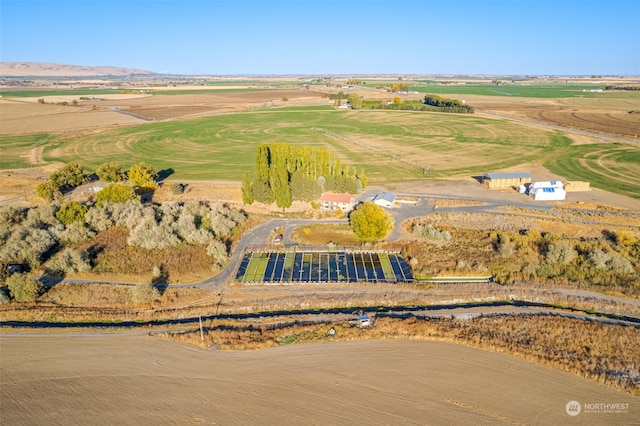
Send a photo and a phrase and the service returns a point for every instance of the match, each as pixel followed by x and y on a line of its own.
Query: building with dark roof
pixel 505 180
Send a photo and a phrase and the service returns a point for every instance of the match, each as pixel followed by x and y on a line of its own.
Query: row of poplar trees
pixel 285 173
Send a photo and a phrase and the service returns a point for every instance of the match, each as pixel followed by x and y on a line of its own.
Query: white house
pixel 548 194
pixel 331 201
pixel 547 184
pixel 385 199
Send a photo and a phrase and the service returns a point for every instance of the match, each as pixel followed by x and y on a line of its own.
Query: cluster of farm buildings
pixel 553 190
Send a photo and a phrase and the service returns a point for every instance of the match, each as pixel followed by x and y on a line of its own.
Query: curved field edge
pixel 392 146
pixel 611 167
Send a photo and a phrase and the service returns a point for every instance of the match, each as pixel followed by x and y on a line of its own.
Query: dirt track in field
pixel 130 379
pixel 582 114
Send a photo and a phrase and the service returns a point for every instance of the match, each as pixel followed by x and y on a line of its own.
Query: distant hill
pixel 42 69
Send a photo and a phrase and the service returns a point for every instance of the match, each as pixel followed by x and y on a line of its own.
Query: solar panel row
pixel 323 267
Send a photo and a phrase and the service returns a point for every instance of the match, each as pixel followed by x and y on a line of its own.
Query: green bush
pixel 111 172
pixel 370 222
pixel 24 288
pixel 48 190
pixel 71 212
pixel 115 193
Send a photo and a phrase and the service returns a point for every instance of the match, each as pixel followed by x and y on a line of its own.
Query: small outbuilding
pixel 548 194
pixel 506 180
pixel 385 199
pixel 547 184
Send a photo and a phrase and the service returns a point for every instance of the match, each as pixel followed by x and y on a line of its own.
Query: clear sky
pixel 221 37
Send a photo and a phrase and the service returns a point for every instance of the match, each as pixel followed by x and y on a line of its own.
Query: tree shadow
pixel 164 174
pixel 161 281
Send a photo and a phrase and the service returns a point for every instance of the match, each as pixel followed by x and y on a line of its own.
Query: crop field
pixel 213 136
pixel 323 267
pixel 16 149
pixel 513 90
pixel 223 147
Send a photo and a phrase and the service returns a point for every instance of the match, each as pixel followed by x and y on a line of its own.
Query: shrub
pixel 71 212
pixel 115 193
pixel 70 261
pixel 70 175
pixel 42 217
pixel 148 234
pixel 144 292
pixel 28 246
pixel 561 253
pixel 111 172
pixel 177 188
pixel 619 264
pixel 48 191
pixel 75 233
pixel 24 288
pixel 428 231
pixel 10 215
pixel 143 175
pixel 100 218
pixel 218 250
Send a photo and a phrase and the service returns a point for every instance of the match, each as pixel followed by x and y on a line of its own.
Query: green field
pixel 525 90
pixel 223 147
pixel 14 150
pixel 392 146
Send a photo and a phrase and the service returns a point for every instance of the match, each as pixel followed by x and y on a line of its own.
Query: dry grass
pixel 117 261
pixel 600 352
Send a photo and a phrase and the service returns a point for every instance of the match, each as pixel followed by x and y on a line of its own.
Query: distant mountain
pixel 42 69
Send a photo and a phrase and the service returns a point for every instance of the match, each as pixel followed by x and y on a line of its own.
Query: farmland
pixel 223 147
pixel 210 131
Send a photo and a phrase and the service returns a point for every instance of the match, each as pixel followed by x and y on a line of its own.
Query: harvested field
pixel 25 115
pixel 112 379
pixel 608 114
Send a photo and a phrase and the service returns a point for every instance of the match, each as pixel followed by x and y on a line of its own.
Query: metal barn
pixel 505 180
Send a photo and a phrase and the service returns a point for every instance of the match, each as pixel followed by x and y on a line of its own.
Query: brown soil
pixel 119 379
pixel 612 118
pixel 26 116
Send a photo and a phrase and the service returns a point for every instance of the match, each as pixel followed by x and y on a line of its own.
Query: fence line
pixel 425 169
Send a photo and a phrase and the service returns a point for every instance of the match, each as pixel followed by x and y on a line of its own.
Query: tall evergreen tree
pixel 280 185
pixel 247 190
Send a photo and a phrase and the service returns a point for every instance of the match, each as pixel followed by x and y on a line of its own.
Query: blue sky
pixel 328 37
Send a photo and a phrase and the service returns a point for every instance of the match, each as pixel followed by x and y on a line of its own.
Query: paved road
pixel 260 236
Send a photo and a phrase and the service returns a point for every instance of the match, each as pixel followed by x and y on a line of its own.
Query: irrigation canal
pixel 459 311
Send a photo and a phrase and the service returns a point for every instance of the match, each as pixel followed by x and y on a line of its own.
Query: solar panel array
pixel 281 267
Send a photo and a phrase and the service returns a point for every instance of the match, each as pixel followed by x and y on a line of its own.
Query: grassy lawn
pixel 323 234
